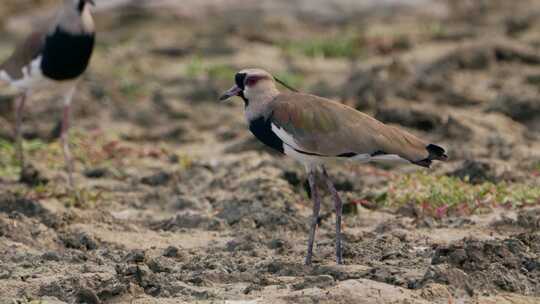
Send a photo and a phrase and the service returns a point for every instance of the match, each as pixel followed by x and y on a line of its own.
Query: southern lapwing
pixel 52 56
pixel 315 130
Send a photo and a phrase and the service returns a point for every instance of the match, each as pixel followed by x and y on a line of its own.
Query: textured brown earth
pixel 181 204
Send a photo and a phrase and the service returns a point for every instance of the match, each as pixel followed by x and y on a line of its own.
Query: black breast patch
pixel 262 129
pixel 66 55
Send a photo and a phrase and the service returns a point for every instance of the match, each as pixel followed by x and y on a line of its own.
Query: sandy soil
pixel 181 204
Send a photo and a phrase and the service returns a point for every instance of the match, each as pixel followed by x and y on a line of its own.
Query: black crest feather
pixel 285 85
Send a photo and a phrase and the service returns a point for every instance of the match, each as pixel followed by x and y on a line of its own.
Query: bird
pixel 314 131
pixel 52 56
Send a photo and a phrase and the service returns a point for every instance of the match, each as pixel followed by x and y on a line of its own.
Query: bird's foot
pixel 339 248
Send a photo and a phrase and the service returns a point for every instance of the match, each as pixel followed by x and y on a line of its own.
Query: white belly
pixel 33 79
pixel 310 161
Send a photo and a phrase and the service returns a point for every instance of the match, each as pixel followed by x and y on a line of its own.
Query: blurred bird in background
pixel 52 57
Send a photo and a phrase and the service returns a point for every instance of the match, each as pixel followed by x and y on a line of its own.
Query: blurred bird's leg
pixel 19 107
pixel 65 136
pixel 339 210
pixel 312 174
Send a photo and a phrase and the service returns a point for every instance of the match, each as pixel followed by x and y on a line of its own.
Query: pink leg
pixel 339 210
pixel 65 137
pixel 314 220
pixel 19 107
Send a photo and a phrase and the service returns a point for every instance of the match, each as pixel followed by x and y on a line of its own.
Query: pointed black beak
pixel 234 91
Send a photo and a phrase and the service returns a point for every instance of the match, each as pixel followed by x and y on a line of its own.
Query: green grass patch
pixel 436 30
pixel 220 72
pixel 293 80
pixel 129 88
pixel 440 196
pixel 127 81
pixel 9 165
pixel 88 151
pixel 338 46
pixel 197 68
pixel 536 167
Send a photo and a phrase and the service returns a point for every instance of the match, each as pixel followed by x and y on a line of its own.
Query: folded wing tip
pixel 436 152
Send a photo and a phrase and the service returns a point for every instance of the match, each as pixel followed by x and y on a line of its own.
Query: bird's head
pixel 79 5
pixel 251 84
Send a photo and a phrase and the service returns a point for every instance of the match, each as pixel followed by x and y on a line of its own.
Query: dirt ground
pixel 181 204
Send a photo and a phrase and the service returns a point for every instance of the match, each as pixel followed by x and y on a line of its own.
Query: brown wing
pixel 329 128
pixel 24 54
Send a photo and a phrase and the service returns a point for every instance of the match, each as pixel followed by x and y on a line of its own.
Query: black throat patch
pixel 81 5
pixel 262 129
pixel 65 55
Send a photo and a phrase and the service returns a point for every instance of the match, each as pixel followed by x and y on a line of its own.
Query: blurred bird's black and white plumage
pixel 54 56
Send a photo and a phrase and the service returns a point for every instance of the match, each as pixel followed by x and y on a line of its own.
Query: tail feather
pixel 435 153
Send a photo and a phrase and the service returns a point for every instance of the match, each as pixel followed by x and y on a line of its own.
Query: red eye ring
pixel 252 80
